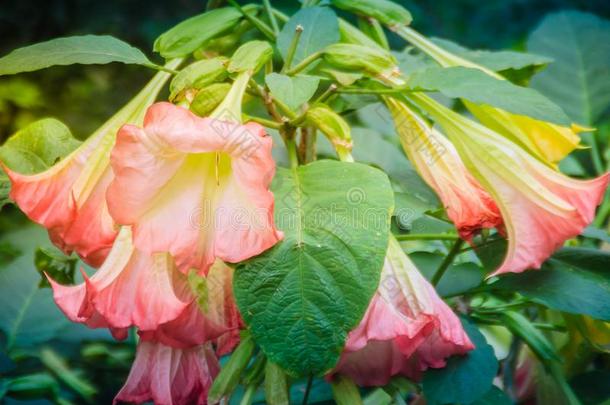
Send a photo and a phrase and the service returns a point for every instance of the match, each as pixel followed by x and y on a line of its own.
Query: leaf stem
pixel 292 48
pixel 268 9
pixel 327 93
pixel 263 121
pixel 261 26
pixel 357 90
pixel 307 390
pixel 162 68
pixel 455 250
pixel 304 63
pixel 427 236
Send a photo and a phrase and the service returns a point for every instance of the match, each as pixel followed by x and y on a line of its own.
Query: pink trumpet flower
pixel 468 205
pixel 406 329
pixel 170 376
pixel 197 188
pixel 137 289
pixel 69 198
pixel 541 208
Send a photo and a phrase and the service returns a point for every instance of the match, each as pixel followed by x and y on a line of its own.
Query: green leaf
pixel 38 146
pixel 34 386
pixel 292 91
pixel 522 327
pixel 71 378
pixel 85 49
pixel 480 88
pixel 579 79
pixel 53 263
pixel 190 34
pixel 458 279
pixel 29 315
pixel 320 29
pixel 386 11
pixel 496 60
pixel 302 297
pixel 465 378
pixel 574 280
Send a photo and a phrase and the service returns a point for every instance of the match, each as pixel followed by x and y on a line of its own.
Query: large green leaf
pixel 579 79
pixel 480 88
pixel 320 29
pixel 464 379
pixel 29 315
pixel 496 60
pixel 292 91
pixel 85 49
pixel 574 280
pixel 302 297
pixel 190 34
pixel 38 146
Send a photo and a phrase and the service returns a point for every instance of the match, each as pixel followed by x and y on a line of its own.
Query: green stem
pixel 261 26
pixel 602 212
pixel 356 90
pixel 162 68
pixel 293 157
pixel 292 48
pixel 304 63
pixel 307 390
pixel 455 250
pixel 272 20
pixel 327 93
pixel 427 236
pixel 263 121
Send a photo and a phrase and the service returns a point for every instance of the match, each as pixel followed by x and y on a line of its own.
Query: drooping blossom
pixel 133 288
pixel 468 206
pixel 170 376
pixel 197 188
pixel 69 198
pixel 541 208
pixel 406 329
pixel 548 142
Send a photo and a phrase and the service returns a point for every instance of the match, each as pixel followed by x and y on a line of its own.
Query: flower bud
pixel 197 76
pixel 387 12
pixel 276 385
pixel 333 126
pixel 208 98
pixel 250 57
pixel 375 61
pixel 228 378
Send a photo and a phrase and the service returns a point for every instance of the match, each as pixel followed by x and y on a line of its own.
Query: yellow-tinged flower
pixel 540 207
pixel 548 142
pixel 469 206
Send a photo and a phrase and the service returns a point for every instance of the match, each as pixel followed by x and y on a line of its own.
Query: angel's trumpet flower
pixel 145 290
pixel 406 329
pixel 547 141
pixel 468 206
pixel 69 198
pixel 540 207
pixel 167 375
pixel 197 188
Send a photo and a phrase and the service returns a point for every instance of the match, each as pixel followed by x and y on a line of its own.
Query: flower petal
pixel 195 187
pixel 130 289
pixel 407 328
pixel 75 216
pixel 170 376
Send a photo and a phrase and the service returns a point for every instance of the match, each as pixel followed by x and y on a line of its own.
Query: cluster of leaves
pixel 302 297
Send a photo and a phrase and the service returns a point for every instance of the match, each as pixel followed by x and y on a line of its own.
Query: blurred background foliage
pixel 65 363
